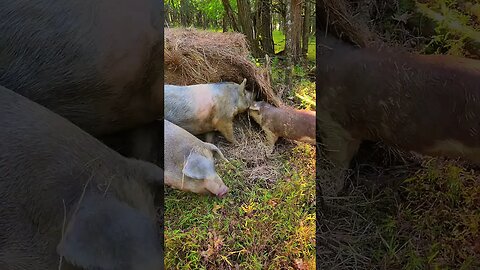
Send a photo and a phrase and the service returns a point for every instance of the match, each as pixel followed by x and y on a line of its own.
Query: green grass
pixel 261 223
pixel 428 220
pixel 437 225
pixel 254 227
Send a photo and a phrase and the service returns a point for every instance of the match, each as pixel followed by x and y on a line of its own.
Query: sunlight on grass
pixel 254 227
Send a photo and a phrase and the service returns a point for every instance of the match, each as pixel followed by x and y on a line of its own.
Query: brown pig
pixel 289 123
pixel 429 104
pixel 204 108
pixel 189 162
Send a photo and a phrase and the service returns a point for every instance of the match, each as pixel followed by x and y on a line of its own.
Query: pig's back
pixel 178 143
pixel 291 123
pixel 191 107
pixel 50 144
pixel 307 122
pixel 404 99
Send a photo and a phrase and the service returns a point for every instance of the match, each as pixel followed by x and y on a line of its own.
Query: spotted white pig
pixel 204 108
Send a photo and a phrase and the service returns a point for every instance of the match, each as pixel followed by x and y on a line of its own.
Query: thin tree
pixel 306 26
pixel 245 18
pixel 295 31
pixel 264 25
pixel 230 15
pixel 184 13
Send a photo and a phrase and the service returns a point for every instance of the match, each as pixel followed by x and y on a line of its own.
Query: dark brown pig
pixel 289 123
pixel 429 104
pixel 95 62
pixel 144 142
pixel 66 199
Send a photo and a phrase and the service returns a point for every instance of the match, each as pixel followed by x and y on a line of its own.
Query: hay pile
pixel 335 17
pixel 194 56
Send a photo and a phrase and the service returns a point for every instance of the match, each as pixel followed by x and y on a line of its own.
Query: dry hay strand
pixel 195 56
pixel 335 17
pixel 253 151
pixel 348 223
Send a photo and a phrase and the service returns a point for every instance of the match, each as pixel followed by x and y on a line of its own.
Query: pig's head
pixel 199 172
pixel 255 110
pixel 91 241
pixel 245 97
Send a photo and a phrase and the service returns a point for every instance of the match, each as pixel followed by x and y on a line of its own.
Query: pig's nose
pixel 222 191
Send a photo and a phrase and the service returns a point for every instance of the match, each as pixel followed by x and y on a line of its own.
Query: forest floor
pixel 267 220
pixel 404 211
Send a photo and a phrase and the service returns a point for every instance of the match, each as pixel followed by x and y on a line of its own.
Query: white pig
pixel 205 108
pixel 189 162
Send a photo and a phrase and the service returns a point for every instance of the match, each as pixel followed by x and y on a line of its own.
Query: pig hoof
pixel 232 141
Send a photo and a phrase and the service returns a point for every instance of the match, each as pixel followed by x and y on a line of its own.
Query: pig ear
pixel 105 233
pixel 243 84
pixel 198 167
pixel 216 152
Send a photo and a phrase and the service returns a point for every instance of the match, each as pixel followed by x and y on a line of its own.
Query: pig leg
pixel 209 137
pixel 226 128
pixel 271 139
pixel 340 148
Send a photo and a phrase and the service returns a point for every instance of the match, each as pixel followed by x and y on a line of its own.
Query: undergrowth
pixel 266 221
pixel 257 226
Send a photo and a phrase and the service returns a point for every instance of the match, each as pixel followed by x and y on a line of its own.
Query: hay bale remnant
pixel 335 17
pixel 195 56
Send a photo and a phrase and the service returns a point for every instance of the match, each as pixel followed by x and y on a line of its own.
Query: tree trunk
pixel 230 15
pixel 184 13
pixel 306 28
pixel 296 30
pixel 173 18
pixel 225 24
pixel 264 26
pixel 205 21
pixel 167 14
pixel 288 44
pixel 244 16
